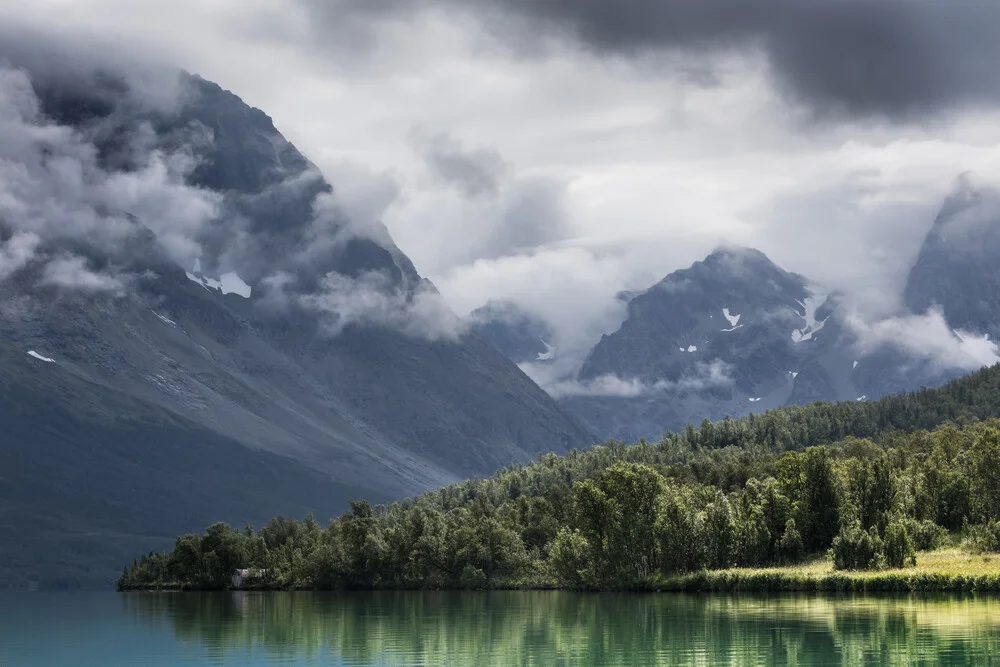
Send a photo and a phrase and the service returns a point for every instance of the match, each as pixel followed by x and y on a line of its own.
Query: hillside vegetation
pixel 871 482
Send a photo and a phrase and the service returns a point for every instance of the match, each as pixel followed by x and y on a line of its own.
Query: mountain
pixel 732 335
pixel 195 330
pixel 729 335
pixel 736 334
pixel 520 336
pixel 958 269
pixel 735 306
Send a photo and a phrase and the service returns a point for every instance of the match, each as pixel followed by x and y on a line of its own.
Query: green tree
pixel 676 531
pixel 617 513
pixel 716 530
pixel 984 475
pixel 871 490
pixel 819 510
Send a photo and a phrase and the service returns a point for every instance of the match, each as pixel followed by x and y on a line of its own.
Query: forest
pixel 869 485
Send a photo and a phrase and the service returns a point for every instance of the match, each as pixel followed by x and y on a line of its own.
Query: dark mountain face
pixel 519 336
pixel 303 360
pixel 721 308
pixel 958 269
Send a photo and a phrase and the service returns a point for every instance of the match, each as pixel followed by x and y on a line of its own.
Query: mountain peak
pixel 731 267
pixel 730 249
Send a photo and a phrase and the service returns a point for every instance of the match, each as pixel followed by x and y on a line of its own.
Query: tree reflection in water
pixel 561 628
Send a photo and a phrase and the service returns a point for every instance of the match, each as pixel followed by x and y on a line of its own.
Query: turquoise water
pixel 497 628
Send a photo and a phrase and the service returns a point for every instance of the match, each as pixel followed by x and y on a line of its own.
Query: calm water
pixel 480 629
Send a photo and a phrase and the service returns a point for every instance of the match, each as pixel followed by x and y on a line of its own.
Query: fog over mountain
pixel 612 142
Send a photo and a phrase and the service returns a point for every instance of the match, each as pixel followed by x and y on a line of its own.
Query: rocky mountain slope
pixel 198 331
pixel 958 269
pixel 521 337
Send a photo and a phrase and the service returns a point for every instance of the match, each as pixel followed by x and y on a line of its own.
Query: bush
pixel 790 547
pixel 898 546
pixel 926 534
pixel 568 557
pixel 474 578
pixel 984 538
pixel 857 549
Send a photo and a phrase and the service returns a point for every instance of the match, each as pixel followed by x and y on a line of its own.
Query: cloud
pixel 73 272
pixel 472 171
pixel 69 61
pixel 895 58
pixel 54 187
pixel 704 376
pixel 475 207
pixel 91 187
pixel 373 300
pixel 927 337
pixel 643 132
pixel 16 252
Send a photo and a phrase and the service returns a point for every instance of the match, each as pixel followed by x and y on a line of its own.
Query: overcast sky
pixel 555 152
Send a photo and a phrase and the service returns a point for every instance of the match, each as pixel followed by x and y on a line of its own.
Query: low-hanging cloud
pixel 64 204
pixel 16 252
pixel 927 337
pixel 372 299
pixel 710 375
pixel 73 272
pixel 53 188
pixel 71 61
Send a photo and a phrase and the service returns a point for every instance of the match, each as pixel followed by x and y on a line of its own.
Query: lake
pixel 491 628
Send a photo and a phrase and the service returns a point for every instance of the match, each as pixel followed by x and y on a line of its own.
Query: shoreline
pixel 941 571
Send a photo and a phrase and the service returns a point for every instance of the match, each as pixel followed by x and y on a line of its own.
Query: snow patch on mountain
pixel 228 283
pixel 812 327
pixel 231 283
pixel 32 353
pixel 165 320
pixel 733 319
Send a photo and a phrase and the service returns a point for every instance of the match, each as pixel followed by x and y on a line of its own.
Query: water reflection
pixel 558 628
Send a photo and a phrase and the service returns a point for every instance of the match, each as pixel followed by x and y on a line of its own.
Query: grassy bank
pixel 943 570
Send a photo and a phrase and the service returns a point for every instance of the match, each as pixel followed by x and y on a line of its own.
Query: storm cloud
pixel 896 58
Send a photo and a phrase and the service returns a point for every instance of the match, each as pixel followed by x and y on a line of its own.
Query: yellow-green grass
pixel 941 570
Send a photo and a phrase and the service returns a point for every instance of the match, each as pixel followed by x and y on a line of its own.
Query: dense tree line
pixel 620 515
pixel 751 492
